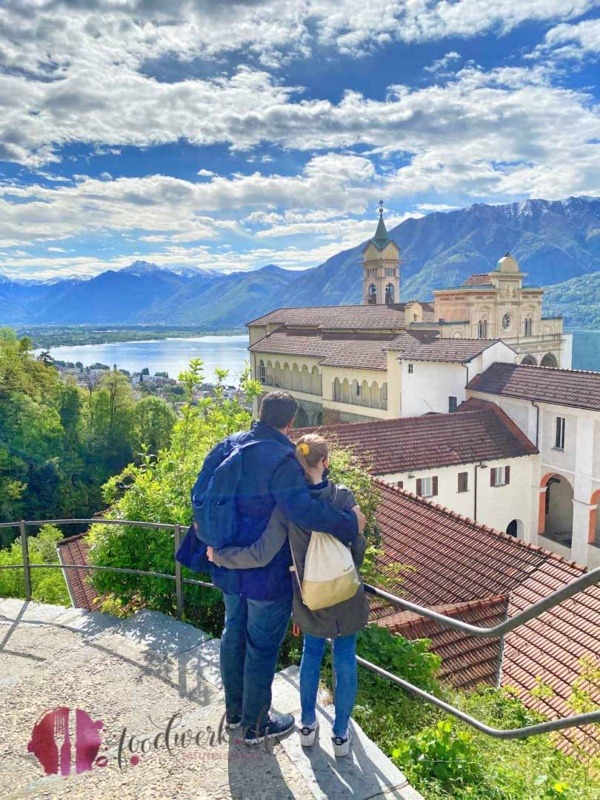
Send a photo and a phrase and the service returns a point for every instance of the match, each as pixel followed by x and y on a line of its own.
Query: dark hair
pixel 278 409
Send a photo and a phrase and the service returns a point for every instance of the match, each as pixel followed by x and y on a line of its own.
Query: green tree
pixel 153 425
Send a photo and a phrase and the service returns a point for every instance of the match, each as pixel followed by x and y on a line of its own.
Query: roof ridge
pixel 511 425
pixel 553 369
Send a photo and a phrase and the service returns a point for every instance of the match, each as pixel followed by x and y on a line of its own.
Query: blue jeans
pixel 254 631
pixel 346 681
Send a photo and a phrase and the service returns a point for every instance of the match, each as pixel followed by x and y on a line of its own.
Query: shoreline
pixel 45 339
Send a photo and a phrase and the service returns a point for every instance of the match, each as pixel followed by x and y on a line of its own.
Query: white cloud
pixel 440 67
pixel 572 41
pixel 85 71
pixel 80 73
pixel 162 205
pixel 498 134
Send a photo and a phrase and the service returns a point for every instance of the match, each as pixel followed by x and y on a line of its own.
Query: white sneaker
pixel 341 744
pixel 308 734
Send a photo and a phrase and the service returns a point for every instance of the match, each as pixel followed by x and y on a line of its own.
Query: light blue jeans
pixel 344 664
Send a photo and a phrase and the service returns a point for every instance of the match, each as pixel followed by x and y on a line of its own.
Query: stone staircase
pixel 136 674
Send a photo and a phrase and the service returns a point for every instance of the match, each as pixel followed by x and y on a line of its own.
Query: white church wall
pixel 497 506
pixel 429 386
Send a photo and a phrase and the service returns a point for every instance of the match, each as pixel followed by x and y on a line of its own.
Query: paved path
pixel 135 675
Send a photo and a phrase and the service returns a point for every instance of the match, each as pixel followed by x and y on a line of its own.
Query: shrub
pixel 47 586
pixel 442 754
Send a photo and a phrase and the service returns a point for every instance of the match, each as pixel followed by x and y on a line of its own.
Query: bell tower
pixel 381 267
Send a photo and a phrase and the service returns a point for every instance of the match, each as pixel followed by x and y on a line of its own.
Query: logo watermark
pixel 68 741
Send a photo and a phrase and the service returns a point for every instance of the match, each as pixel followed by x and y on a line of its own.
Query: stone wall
pixel 332 416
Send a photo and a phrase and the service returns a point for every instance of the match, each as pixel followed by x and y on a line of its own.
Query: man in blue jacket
pixel 258 601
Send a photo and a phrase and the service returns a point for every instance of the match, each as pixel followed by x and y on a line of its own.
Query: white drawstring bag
pixel 330 576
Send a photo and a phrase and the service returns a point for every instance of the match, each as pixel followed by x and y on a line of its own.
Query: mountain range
pixel 556 242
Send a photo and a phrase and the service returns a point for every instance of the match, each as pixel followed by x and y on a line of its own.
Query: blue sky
pixel 232 135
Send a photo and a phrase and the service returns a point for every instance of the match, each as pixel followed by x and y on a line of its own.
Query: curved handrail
pixel 585 581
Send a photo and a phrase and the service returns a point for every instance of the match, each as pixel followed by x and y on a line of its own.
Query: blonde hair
pixel 310 449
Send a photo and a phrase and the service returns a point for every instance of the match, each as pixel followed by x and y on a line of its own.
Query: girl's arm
pixel 258 554
pixel 344 499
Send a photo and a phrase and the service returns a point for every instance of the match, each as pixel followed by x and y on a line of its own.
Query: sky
pixel 233 134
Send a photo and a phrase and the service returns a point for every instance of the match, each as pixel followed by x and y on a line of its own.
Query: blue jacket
pixel 271 476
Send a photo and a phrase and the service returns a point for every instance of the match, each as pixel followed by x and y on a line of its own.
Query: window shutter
pixel 557 437
pixel 434 482
pixel 492 477
pixel 400 484
pixel 419 486
pixel 506 475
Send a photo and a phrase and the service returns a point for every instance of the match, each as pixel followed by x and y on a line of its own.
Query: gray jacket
pixel 342 619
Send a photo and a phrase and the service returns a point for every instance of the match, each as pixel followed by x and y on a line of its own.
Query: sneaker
pixel 308 733
pixel 233 722
pixel 277 725
pixel 341 744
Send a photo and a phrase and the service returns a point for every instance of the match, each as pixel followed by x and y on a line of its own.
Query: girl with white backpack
pixel 329 597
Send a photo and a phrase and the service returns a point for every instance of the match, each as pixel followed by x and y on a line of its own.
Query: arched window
pixel 482 329
pixel 372 295
pixel 262 372
pixel 296 378
pixel 315 381
pixel 389 293
pixel 549 360
pixel 346 396
pixel 529 360
pixel 375 395
pixel 365 394
pixel 337 390
pixel 528 326
pixel 384 395
pixel 305 379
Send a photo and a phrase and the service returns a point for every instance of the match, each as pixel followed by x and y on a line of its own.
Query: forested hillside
pixel 60 442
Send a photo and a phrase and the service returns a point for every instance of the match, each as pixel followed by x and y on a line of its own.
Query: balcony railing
pixel 588 579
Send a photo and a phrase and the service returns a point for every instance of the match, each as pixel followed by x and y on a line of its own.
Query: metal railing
pixel 588 579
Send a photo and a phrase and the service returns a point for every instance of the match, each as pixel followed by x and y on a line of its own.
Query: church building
pixel 386 359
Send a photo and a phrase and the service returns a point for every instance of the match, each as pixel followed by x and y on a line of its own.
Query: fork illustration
pixel 59 733
pixel 62 741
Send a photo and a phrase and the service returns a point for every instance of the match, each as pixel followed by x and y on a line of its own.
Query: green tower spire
pixel 381 238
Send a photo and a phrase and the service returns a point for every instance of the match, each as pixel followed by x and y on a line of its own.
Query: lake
pixel 167 355
pixel 586 350
pixel 230 352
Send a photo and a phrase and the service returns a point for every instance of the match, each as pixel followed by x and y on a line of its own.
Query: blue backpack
pixel 214 504
pixel 214 496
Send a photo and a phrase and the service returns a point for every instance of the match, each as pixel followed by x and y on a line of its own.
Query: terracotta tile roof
pixel 74 550
pixel 479 279
pixel 565 387
pixel 457 560
pixel 362 353
pixel 466 660
pixel 396 445
pixel 337 317
pixel 358 353
pixel 281 344
pixel 433 348
pixel 549 648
